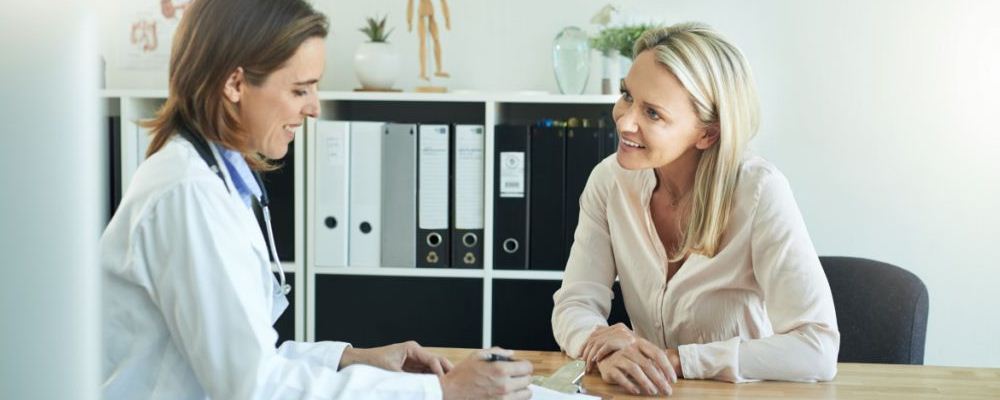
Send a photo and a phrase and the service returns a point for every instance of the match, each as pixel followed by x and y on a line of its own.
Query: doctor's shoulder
pixel 174 167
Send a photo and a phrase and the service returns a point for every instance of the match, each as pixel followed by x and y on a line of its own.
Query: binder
pixel 510 197
pixel 583 153
pixel 115 165
pixel 142 144
pixel 468 192
pixel 610 142
pixel 546 218
pixel 399 195
pixel 280 183
pixel 433 234
pixel 332 172
pixel 134 153
pixel 365 209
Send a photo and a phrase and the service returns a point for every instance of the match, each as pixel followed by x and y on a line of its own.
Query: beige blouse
pixel 760 309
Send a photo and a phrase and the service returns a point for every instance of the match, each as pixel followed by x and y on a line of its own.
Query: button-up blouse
pixel 761 308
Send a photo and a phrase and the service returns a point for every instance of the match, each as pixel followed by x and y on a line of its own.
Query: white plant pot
pixel 376 65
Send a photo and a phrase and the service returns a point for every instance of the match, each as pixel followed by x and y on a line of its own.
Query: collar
pixel 240 173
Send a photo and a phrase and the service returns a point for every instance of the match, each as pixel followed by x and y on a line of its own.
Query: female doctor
pixel 188 294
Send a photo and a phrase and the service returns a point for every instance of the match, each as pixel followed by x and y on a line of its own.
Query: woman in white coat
pixel 717 271
pixel 188 294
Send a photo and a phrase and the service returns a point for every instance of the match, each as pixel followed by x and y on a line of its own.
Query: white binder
pixel 467 228
pixel 365 238
pixel 133 156
pixel 142 140
pixel 331 176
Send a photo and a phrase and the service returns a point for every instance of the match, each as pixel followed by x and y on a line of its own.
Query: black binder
pixel 583 153
pixel 510 197
pixel 467 187
pixel 115 164
pixel 546 209
pixel 609 145
pixel 280 183
pixel 433 196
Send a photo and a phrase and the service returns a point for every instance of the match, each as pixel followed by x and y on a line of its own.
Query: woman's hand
pixel 406 357
pixel 606 340
pixel 476 378
pixel 641 368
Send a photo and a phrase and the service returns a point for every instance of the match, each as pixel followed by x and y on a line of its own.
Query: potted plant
pixel 376 62
pixel 615 45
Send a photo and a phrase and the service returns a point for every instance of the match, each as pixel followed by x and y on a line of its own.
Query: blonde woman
pixel 718 274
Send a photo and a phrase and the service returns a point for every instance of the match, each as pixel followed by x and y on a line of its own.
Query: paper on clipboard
pixel 540 393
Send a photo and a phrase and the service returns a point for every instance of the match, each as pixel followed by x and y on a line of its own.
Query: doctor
pixel 188 294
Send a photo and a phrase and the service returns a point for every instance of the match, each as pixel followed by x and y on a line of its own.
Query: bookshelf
pixel 476 286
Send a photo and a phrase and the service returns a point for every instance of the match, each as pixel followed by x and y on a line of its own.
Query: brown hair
pixel 214 38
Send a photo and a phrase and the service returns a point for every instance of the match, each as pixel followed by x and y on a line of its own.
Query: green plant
pixel 375 30
pixel 620 38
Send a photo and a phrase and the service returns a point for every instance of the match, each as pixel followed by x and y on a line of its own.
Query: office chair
pixel 881 311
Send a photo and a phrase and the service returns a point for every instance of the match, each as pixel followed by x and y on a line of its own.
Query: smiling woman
pixel 274 110
pixel 268 58
pixel 718 273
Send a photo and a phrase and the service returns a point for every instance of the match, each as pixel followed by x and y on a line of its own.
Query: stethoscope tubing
pixel 201 145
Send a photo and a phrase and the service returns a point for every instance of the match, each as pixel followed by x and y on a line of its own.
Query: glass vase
pixel 571 60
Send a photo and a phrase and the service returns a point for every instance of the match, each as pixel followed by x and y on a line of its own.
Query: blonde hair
pixel 718 80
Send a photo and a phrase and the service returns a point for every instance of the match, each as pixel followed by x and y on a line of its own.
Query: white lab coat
pixel 189 303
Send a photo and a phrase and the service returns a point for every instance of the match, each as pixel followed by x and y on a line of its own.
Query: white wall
pixel 879 112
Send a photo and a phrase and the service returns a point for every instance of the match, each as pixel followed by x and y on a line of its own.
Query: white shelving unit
pixel 488 109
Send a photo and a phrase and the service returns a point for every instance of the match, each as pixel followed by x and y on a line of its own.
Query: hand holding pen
pixel 488 373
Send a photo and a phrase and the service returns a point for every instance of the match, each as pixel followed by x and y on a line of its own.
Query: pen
pixel 497 357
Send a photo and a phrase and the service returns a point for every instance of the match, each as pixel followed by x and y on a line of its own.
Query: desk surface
pixel 854 381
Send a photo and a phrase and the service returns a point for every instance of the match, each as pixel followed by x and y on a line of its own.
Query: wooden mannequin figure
pixel 425 23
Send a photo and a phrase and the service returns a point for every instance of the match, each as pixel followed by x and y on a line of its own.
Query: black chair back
pixel 881 311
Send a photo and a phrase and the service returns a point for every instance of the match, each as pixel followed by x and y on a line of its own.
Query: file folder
pixel 468 195
pixel 142 144
pixel 332 174
pixel 399 195
pixel 115 165
pixel 610 142
pixel 583 153
pixel 510 197
pixel 280 183
pixel 546 218
pixel 134 153
pixel 365 210
pixel 433 235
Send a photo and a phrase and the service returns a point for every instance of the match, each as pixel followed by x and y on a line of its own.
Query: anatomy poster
pixel 148 31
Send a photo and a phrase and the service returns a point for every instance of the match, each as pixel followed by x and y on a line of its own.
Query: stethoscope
pixel 201 145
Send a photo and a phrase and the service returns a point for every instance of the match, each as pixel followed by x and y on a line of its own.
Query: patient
pixel 718 273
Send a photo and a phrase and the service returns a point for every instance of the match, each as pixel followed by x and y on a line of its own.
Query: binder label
pixel 433 180
pixel 469 177
pixel 512 174
pixel 335 154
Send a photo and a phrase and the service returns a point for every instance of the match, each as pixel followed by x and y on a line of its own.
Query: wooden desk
pixel 854 381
